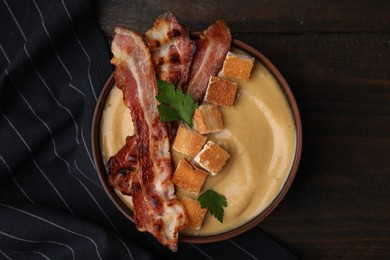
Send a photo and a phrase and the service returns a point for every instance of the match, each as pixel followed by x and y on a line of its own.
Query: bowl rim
pixel 127 212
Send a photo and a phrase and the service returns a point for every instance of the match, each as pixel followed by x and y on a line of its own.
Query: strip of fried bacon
pixel 172 49
pixel 123 165
pixel 156 208
pixel 212 47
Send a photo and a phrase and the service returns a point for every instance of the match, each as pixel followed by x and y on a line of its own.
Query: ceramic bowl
pixel 102 172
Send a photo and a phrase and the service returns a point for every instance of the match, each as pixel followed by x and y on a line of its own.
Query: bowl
pixel 284 183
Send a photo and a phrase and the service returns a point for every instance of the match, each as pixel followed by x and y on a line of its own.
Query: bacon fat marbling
pixel 211 49
pixel 156 208
pixel 172 49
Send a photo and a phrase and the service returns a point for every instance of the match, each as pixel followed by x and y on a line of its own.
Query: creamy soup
pixel 259 134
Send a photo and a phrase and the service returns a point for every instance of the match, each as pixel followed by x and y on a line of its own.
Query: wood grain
pixel 336 57
pixel 266 16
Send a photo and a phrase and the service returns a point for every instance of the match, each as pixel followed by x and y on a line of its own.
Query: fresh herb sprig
pixel 215 202
pixel 175 105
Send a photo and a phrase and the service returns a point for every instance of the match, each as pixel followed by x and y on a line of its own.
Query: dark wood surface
pixel 336 57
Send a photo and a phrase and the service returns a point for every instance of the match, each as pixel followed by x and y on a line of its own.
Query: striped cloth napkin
pixel 53 65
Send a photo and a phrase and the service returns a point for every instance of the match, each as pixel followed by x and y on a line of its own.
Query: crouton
pixel 208 119
pixel 194 212
pixel 221 91
pixel 212 158
pixel 237 66
pixel 189 177
pixel 188 141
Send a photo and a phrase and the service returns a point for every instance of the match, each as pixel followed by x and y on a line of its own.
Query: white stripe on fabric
pixel 54 144
pixel 86 148
pixel 68 166
pixel 41 120
pixel 203 252
pixel 36 164
pixel 242 249
pixel 52 94
pixel 52 43
pixel 124 244
pixel 39 241
pixel 82 47
pixel 103 212
pixel 98 63
pixel 16 21
pixel 47 127
pixel 5 54
pixel 39 253
pixel 14 180
pixel 39 75
pixel 85 176
pixel 55 225
pixel 78 90
pixel 1 252
pixel 97 204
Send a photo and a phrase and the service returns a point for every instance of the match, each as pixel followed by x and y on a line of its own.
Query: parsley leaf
pixel 175 105
pixel 215 202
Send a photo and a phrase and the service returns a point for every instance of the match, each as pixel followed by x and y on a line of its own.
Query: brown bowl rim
pixel 102 173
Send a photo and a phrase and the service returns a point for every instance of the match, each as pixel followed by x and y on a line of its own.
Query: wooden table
pixel 336 57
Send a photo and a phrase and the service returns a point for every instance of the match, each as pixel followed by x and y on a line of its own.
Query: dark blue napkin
pixel 53 65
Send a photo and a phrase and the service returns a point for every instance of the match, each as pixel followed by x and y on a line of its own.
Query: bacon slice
pixel 156 208
pixel 172 49
pixel 123 165
pixel 212 47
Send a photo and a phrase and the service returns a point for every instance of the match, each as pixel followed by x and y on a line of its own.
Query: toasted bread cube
pixel 212 158
pixel 208 119
pixel 194 211
pixel 189 177
pixel 188 141
pixel 237 66
pixel 221 91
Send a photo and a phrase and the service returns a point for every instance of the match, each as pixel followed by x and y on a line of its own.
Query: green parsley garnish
pixel 175 105
pixel 215 202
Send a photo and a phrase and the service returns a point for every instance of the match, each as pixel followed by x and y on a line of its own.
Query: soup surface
pixel 259 134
